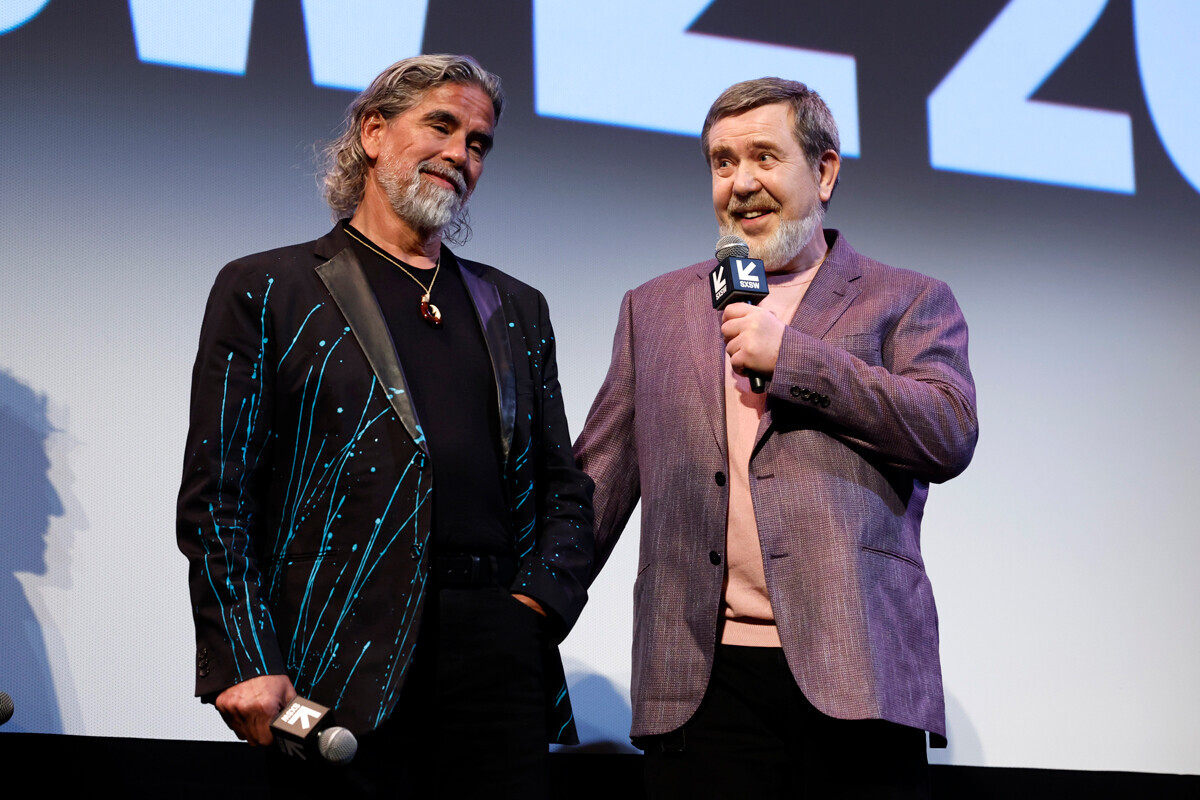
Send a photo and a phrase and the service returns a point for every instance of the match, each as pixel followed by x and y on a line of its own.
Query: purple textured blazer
pixel 871 401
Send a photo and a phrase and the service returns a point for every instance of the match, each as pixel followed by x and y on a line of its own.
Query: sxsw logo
pixel 748 273
pixel 720 285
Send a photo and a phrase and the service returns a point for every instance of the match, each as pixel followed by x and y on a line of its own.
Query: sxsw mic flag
pixel 305 730
pixel 738 279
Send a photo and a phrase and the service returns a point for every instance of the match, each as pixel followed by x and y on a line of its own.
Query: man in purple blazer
pixel 785 635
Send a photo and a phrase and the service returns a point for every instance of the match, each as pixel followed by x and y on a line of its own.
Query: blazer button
pixel 719 478
pixel 415 552
pixel 824 401
pixel 805 394
pixel 420 461
pixel 714 557
pixel 795 391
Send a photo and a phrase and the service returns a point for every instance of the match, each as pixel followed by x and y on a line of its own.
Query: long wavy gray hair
pixel 395 90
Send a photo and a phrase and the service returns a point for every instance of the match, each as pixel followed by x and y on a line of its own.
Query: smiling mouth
pixel 747 209
pixel 451 178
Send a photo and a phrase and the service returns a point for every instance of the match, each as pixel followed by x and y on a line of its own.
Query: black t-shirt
pixel 453 390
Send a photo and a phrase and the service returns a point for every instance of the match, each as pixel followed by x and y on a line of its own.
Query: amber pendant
pixel 429 312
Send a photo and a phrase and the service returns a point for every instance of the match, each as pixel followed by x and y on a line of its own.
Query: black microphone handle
pixel 729 248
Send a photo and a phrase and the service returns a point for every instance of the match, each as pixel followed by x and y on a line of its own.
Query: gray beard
pixel 792 236
pixel 424 206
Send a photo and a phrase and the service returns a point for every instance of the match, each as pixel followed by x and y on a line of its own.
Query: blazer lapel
pixel 832 291
pixel 347 284
pixel 708 352
pixel 486 298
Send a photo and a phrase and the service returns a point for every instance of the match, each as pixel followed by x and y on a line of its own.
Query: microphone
pixel 305 729
pixel 6 707
pixel 738 279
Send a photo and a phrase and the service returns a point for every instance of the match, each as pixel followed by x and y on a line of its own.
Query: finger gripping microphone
pixel 738 279
pixel 305 730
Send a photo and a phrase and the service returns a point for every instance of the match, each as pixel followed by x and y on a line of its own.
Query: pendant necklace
pixel 429 312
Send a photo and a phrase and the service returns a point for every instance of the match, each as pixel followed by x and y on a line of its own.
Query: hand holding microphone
pixel 266 709
pixel 740 279
pixel 305 730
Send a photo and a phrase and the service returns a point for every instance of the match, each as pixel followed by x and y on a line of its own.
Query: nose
pixel 455 151
pixel 745 180
pixel 53 505
pixel 55 508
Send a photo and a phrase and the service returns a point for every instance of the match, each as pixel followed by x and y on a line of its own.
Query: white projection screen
pixel 1041 157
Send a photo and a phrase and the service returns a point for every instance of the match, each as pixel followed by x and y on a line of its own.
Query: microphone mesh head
pixel 337 745
pixel 731 246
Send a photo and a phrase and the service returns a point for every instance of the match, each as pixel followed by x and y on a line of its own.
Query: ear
pixel 827 174
pixel 371 134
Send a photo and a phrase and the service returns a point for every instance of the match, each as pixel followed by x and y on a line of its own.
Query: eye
pixel 766 157
pixel 477 149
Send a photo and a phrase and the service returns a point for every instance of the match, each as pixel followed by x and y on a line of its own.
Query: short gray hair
pixel 395 90
pixel 812 122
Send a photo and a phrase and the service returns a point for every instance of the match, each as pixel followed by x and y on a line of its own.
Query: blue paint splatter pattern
pixel 305 503
pixel 303 515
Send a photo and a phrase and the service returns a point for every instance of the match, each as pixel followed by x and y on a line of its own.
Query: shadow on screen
pixel 602 715
pixel 964 747
pixel 29 640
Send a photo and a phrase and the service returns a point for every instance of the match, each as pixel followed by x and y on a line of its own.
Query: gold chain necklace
pixel 429 312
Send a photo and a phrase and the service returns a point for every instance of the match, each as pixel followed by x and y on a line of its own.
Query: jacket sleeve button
pixel 714 557
pixel 719 478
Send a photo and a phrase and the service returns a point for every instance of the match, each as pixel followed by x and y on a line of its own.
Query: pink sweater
pixel 746 607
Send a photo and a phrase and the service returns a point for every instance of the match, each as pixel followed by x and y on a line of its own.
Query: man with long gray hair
pixel 379 503
pixel 785 637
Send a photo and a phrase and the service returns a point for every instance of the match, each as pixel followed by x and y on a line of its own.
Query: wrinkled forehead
pixel 767 123
pixel 448 91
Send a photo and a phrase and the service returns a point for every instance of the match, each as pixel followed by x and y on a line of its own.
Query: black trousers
pixel 471 720
pixel 755 735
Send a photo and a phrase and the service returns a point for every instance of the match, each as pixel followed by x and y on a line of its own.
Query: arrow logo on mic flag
pixel 746 272
pixel 304 714
pixel 718 279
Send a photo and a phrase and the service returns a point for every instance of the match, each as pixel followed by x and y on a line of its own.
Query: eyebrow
pixel 441 115
pixel 451 119
pixel 716 152
pixel 754 144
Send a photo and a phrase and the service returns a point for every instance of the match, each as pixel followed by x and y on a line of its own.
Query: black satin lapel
pixel 486 298
pixel 348 285
pixel 708 353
